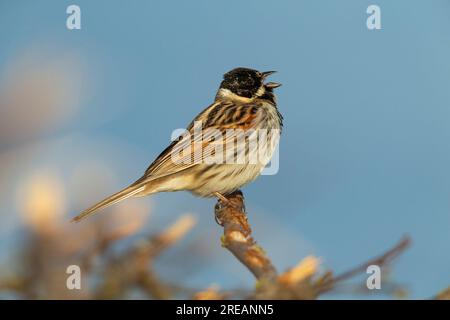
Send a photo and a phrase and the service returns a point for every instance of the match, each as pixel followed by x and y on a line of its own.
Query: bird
pixel 245 105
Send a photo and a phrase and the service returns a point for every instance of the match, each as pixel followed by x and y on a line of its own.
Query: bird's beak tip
pixel 267 73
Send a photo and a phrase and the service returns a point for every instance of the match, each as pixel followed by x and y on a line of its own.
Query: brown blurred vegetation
pixel 52 245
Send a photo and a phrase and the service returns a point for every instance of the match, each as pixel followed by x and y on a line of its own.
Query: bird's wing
pixel 221 115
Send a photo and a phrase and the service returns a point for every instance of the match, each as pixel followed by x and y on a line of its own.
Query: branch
pixel 237 237
pixel 300 282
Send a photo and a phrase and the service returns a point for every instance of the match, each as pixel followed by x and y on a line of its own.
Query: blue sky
pixel 364 155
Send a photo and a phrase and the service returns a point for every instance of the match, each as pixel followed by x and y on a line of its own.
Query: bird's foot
pixel 223 199
pixel 225 202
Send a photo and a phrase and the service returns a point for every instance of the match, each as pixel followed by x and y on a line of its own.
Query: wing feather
pixel 221 115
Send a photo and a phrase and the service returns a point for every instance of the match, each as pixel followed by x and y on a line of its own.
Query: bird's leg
pixel 224 200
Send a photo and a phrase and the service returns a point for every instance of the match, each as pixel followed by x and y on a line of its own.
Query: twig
pixel 237 237
pixel 172 234
pixel 384 259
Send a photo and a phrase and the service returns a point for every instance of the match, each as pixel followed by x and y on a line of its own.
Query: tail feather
pixel 117 197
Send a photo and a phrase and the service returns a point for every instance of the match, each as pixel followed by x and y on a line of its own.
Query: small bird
pixel 244 105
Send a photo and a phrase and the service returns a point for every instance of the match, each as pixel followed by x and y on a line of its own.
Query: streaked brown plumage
pixel 245 106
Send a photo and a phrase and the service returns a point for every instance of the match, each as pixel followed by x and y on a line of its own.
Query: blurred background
pixel 364 157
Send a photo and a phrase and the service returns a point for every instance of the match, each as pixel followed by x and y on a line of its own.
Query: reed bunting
pixel 216 156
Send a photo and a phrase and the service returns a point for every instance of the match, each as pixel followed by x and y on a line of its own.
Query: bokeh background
pixel 364 157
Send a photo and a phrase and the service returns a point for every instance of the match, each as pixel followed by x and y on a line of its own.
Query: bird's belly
pixel 224 178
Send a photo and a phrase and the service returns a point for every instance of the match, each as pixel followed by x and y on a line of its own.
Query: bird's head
pixel 247 84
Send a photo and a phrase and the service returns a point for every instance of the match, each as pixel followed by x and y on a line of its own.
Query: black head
pixel 246 82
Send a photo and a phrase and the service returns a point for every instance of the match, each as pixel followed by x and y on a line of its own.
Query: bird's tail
pixel 128 192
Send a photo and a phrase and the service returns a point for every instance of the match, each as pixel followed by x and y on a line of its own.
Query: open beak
pixel 271 85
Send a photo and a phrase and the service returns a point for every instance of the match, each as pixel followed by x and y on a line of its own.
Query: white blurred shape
pixel 41 199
